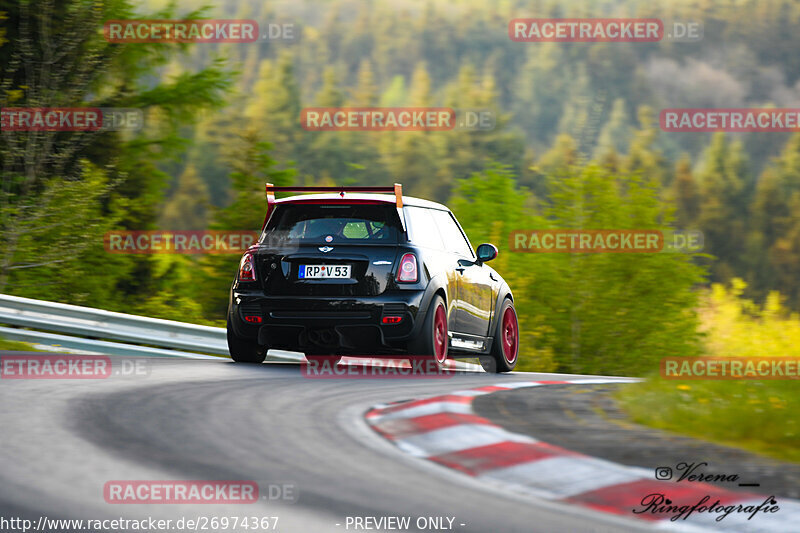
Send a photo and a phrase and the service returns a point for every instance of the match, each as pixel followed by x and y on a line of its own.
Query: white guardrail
pixel 81 328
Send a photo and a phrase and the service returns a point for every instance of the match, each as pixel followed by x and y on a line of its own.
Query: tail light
pixel 408 269
pixel 247 268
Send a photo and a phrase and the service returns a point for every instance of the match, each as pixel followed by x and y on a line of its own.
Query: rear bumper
pixel 327 325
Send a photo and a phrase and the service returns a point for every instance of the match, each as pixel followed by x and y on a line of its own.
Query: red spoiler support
pixel 271 189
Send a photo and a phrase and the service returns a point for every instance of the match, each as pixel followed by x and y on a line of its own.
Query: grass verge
pixel 759 416
pixel 762 416
pixel 15 346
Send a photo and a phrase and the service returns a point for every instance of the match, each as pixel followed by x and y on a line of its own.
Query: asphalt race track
pixel 62 440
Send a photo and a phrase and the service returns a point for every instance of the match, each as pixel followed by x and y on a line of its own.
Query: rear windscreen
pixel 334 223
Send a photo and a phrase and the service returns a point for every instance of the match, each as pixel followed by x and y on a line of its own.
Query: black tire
pixel 244 351
pixel 504 354
pixel 433 340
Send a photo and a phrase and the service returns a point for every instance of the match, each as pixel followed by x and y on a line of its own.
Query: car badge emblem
pixel 329 238
pixel 325 249
pixel 381 262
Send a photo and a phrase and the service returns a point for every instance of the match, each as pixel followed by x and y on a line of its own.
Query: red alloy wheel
pixel 510 335
pixel 440 334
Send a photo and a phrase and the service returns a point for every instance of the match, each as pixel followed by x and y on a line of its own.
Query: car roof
pixel 349 197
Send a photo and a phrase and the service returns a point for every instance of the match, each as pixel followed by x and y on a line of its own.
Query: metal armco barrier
pixel 96 323
pixel 81 328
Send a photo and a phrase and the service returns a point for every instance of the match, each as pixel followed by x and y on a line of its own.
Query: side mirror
pixel 486 252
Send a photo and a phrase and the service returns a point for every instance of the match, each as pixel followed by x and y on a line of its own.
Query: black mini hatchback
pixel 348 273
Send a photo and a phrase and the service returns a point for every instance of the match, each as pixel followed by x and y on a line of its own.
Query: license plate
pixel 323 271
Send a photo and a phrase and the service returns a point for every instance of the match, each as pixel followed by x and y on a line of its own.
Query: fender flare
pixel 435 285
pixel 502 294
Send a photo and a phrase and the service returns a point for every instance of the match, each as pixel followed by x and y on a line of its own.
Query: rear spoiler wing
pixel 271 189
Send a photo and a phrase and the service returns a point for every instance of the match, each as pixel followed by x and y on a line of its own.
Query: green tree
pixel 604 306
pixel 722 176
pixel 365 92
pixel 187 208
pixel 616 134
pixel 71 67
pixel 685 192
pixel 587 313
pixel 254 168
pixel 489 206
pixel 329 153
pixel 276 110
pixel 773 242
pixel 644 155
pixel 419 92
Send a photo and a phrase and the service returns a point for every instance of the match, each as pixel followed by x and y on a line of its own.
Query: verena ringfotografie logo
pixel 179 242
pixel 661 505
pixel 196 31
pixel 70 119
pixel 680 504
pixel 730 368
pixel 601 30
pixel 731 120
pixel 395 119
pixel 407 367
pixel 605 241
pixel 692 472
